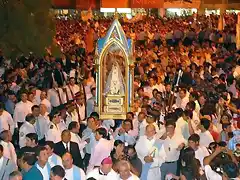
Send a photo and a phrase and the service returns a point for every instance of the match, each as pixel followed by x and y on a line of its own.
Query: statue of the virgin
pixel 115 83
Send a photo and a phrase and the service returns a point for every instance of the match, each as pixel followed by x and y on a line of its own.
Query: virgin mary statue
pixel 115 82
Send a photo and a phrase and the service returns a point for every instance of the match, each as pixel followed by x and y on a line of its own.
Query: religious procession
pixel 147 98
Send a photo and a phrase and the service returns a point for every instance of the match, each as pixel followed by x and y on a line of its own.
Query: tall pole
pixel 238 32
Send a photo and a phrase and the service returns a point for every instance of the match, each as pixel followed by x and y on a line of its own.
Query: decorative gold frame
pixel 127 48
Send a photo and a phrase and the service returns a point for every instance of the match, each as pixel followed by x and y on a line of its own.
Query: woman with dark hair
pixel 190 166
pixel 117 153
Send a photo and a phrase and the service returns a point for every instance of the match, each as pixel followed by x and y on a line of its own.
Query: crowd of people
pixel 185 122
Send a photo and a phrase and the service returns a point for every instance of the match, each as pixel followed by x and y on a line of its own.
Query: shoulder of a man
pixel 33 172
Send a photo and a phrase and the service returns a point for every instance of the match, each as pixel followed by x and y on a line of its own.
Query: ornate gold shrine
pixel 114 74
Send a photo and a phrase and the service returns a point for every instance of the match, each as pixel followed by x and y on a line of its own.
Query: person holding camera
pixel 220 165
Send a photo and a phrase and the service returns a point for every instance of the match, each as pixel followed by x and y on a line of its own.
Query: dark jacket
pixel 60 150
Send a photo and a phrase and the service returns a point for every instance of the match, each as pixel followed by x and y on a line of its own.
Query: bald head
pixel 150 131
pixel 67 160
pixel 124 169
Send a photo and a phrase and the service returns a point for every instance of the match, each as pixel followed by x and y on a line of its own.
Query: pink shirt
pixel 102 150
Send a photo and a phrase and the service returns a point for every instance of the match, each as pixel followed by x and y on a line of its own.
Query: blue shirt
pixel 9 105
pixel 33 173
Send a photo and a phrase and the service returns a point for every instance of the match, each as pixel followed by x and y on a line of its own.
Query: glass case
pixel 114 64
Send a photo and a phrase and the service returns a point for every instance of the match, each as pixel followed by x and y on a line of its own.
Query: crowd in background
pixel 48 127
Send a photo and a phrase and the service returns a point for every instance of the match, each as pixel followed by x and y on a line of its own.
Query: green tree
pixel 26 26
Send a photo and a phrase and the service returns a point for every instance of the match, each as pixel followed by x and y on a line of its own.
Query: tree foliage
pixel 26 26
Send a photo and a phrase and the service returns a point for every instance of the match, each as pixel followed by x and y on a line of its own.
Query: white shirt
pixel 44 172
pixel 142 128
pixel 108 123
pixel 158 155
pixel 129 137
pixel 102 150
pixel 53 133
pixel 9 151
pixel 21 111
pixel 47 103
pixel 132 177
pixel 160 87
pixel 201 153
pixel 210 174
pixel 171 145
pixel 195 121
pixel 54 98
pixel 182 128
pixel 54 160
pixel 81 144
pixel 25 129
pixel 6 122
pixel 181 103
pixel 112 175
pixel 197 108
pixel 1 162
pixel 70 176
pixel 87 133
pixel 72 90
pixel 42 125
pixel 82 111
pixel 205 138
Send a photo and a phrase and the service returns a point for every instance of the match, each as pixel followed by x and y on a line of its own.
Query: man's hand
pixel 148 159
pixel 88 140
pixel 121 131
pixel 180 146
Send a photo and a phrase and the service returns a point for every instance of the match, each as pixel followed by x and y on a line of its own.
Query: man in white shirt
pixel 45 101
pixel 6 165
pixel 102 149
pixel 200 151
pixel 54 131
pixel 56 96
pixel 126 133
pixel 6 120
pixel 42 162
pixel 91 102
pixel 22 109
pixel 182 99
pixel 104 172
pixel 173 143
pixel 152 155
pixel 80 107
pixel 53 159
pixel 74 129
pixel 72 172
pixel 88 133
pixel 8 148
pixel 149 89
pixel 125 171
pixel 71 89
pixel 142 124
pixel 205 136
pixel 42 122
pixel 27 127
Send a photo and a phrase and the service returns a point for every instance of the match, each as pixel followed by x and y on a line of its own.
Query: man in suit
pixel 65 145
pixel 6 166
